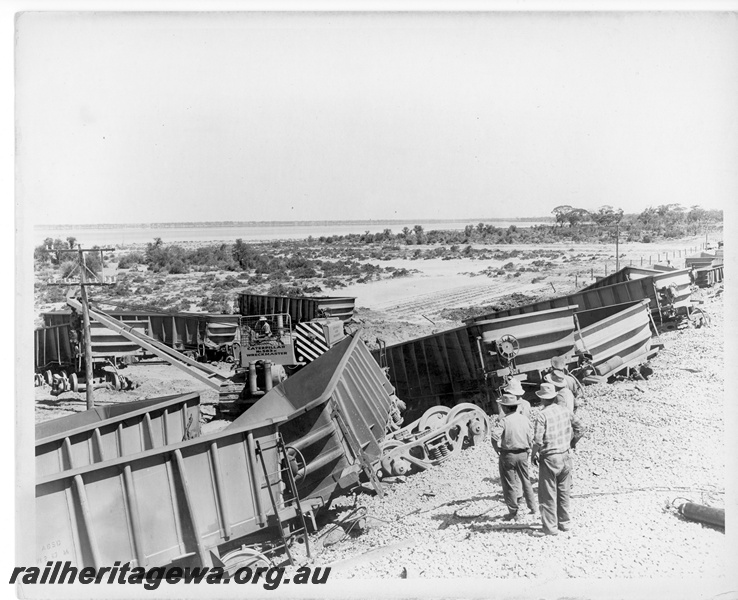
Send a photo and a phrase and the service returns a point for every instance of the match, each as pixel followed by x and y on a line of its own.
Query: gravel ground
pixel 647 444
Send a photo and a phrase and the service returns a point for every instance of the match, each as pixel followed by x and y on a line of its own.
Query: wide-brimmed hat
pixel 558 362
pixel 557 378
pixel 547 391
pixel 508 400
pixel 514 387
pixel 262 318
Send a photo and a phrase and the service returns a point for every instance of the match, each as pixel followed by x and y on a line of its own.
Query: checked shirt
pixel 554 428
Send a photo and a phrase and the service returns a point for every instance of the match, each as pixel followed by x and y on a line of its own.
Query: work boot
pixel 540 534
pixel 510 516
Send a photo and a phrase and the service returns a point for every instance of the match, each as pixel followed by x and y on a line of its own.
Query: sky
pixel 133 117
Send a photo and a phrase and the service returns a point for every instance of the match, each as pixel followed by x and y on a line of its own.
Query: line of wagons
pixel 207 337
pixel 138 483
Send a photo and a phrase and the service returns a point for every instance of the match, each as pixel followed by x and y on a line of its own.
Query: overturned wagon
pixel 183 331
pixel 108 432
pixel 668 293
pixel 300 309
pixel 613 338
pixel 202 500
pixel 471 363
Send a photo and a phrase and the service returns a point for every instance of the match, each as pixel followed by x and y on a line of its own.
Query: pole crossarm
pixel 82 263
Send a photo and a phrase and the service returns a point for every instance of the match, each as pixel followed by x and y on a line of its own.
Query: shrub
pixel 132 258
pixel 400 273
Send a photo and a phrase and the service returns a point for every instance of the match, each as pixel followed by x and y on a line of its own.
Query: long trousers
pixel 554 484
pixel 513 474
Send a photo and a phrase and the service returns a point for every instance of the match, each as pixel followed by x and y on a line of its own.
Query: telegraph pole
pixel 617 246
pixel 87 338
pixel 89 376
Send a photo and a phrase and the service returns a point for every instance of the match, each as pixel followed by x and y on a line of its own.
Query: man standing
pixel 564 396
pixel 513 387
pixel 513 444
pixel 556 431
pixel 559 364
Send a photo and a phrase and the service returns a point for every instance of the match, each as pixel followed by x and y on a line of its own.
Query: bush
pixel 333 283
pixel 400 273
pixel 132 258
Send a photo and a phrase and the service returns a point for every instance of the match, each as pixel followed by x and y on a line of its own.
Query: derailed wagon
pixel 201 334
pixel 668 293
pixel 613 339
pixel 471 363
pixel 300 308
pixel 58 352
pixel 107 432
pixel 202 500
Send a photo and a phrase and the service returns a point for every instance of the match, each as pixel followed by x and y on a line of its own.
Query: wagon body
pixel 300 309
pixel 659 277
pixel 541 336
pixel 443 368
pixel 709 276
pixel 615 337
pixel 112 431
pixel 173 503
pixel 337 409
pixel 52 347
pixel 181 331
pixel 636 285
pixel 455 365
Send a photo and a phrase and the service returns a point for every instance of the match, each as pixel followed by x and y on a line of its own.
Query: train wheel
pixel 244 557
pixel 74 382
pixel 434 417
pixel 698 318
pixel 478 427
pixel 49 377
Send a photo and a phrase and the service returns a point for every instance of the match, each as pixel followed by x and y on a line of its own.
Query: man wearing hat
pixel 559 364
pixel 263 327
pixel 564 395
pixel 513 387
pixel 513 444
pixel 556 431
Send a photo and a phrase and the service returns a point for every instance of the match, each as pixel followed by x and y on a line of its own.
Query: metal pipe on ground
pixel 703 514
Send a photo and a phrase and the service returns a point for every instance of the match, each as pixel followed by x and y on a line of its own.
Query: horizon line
pixel 181 224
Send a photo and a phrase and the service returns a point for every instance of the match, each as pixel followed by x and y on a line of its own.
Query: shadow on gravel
pixel 525 528
pixel 448 519
pixel 57 404
pixel 54 408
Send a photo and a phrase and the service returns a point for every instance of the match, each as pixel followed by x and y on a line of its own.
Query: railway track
pixel 433 303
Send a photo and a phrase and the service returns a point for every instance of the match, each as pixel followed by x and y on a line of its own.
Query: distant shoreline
pixel 215 224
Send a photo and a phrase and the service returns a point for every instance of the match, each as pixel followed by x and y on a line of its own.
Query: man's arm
pixel 496 436
pixel 577 430
pixel 537 438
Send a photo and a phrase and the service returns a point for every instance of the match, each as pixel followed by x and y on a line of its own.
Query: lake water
pixel 112 236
